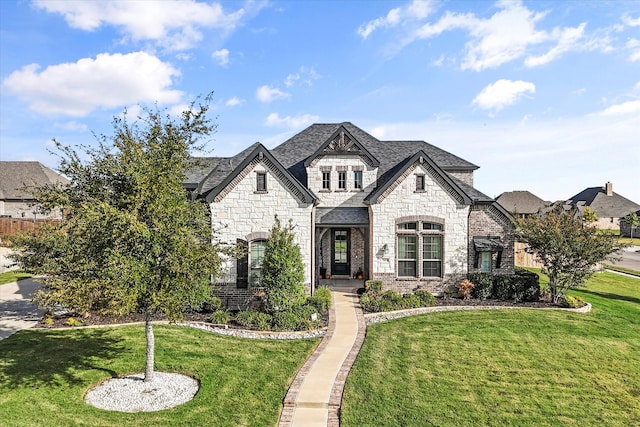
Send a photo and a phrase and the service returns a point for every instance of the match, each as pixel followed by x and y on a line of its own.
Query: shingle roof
pixel 522 202
pixel 342 216
pixel 613 206
pixel 16 175
pixel 392 156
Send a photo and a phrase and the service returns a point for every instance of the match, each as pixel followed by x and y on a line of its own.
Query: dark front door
pixel 340 261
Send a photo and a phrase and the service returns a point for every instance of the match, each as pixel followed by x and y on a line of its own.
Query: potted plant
pixel 323 272
pixel 359 274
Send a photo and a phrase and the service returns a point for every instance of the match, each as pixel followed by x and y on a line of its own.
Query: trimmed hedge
pixel 522 286
pixel 374 301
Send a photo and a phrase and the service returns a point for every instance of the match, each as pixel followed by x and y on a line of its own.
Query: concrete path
pixel 16 310
pixel 315 395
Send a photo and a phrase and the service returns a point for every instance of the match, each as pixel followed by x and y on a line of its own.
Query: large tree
pixel 131 239
pixel 568 249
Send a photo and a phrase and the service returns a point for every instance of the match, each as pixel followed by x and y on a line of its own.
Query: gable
pixel 259 155
pixel 342 142
pixel 404 170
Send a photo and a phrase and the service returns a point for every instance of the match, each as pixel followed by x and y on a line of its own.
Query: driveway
pixel 16 310
pixel 629 258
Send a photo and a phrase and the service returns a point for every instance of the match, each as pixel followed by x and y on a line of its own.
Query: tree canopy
pixel 568 249
pixel 131 240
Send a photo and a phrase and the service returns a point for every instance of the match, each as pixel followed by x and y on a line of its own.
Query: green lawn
pixel 44 375
pixel 510 367
pixel 13 276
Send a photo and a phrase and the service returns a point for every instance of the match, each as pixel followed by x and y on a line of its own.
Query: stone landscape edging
pixel 371 318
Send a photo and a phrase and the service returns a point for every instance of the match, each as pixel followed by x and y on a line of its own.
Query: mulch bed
pixel 95 319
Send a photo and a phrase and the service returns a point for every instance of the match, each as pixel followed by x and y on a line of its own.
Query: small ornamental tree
pixel 568 250
pixel 589 215
pixel 282 269
pixel 632 221
pixel 131 240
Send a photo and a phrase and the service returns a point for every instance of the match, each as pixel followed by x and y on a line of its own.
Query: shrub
pixel 321 299
pixel 262 321
pixel 214 303
pixel 410 301
pixel 483 285
pixel 219 317
pixel 373 285
pixel 570 301
pixel 369 303
pixel 246 318
pixel 502 287
pixel 426 298
pixel 288 321
pixel 390 301
pixel 72 321
pixel 464 289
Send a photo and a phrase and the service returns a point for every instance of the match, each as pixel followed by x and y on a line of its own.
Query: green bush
pixel 262 321
pixel 370 303
pixel 289 321
pixel 254 319
pixel 220 317
pixel 410 301
pixel 373 285
pixel 426 298
pixel 321 299
pixel 483 285
pixel 570 301
pixel 390 301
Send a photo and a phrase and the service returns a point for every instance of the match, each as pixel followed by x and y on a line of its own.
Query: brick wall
pixel 486 220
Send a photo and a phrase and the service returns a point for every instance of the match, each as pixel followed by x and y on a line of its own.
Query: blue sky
pixel 543 96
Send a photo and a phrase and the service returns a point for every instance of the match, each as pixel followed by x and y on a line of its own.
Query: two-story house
pixel 403 212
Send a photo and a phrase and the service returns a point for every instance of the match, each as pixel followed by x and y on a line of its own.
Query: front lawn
pixel 510 367
pixel 13 276
pixel 44 375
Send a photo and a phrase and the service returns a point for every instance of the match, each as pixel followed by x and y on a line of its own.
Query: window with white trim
pixel 342 180
pixel 357 179
pixel 420 244
pixel 326 180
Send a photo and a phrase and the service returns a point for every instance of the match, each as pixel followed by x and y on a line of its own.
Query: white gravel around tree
pixel 132 394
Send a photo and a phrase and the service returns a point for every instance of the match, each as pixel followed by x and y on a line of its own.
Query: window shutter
pixel 499 259
pixel 242 266
pixel 476 258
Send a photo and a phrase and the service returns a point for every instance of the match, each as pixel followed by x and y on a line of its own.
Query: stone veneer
pixel 350 196
pixel 243 212
pixel 404 201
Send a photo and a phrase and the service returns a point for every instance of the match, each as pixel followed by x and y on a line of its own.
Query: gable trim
pixel 336 145
pixel 441 177
pixel 260 155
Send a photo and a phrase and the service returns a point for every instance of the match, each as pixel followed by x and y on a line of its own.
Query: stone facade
pixel 334 178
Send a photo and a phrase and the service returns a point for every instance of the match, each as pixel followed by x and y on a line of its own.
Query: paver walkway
pixel 315 395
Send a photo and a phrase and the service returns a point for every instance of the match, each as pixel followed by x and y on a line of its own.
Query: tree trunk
pixel 148 369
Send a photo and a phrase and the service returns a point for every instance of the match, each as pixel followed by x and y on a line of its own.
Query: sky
pixel 543 96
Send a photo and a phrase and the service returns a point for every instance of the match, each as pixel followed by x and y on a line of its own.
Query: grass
pixel 44 375
pixel 509 367
pixel 627 240
pixel 13 276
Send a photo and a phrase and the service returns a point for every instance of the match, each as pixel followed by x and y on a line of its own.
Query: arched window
pixel 256 257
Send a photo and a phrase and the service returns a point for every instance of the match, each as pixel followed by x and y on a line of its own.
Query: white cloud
pixel 222 56
pixel 510 33
pixel 298 121
pixel 634 46
pixel 234 101
pixel 567 40
pixel 418 9
pixel 108 81
pixel 502 93
pixel 631 22
pixel 305 75
pixel 71 126
pixel 267 94
pixel 629 107
pixel 173 24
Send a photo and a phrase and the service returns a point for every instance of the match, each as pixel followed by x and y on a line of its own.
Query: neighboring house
pixel 625 228
pixel 521 203
pixel 403 212
pixel 610 207
pixel 15 199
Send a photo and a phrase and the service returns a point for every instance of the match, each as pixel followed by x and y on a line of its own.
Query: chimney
pixel 608 189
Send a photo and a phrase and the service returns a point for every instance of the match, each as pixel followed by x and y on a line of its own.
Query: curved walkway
pixel 16 310
pixel 315 394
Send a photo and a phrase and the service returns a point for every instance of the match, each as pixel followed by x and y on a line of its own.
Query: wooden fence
pixel 524 258
pixel 11 226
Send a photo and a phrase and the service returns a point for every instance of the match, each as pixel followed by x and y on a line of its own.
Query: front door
pixel 340 261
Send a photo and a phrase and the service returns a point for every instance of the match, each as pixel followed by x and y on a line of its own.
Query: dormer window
pixel 326 180
pixel 261 182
